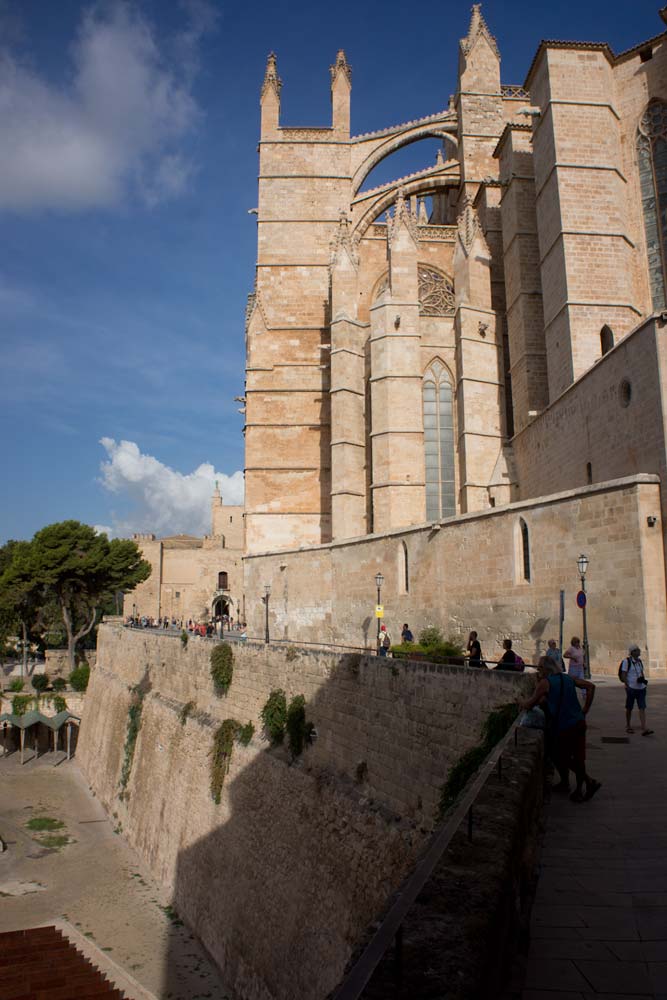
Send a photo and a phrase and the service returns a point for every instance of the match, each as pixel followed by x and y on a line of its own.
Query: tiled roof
pixel 41 964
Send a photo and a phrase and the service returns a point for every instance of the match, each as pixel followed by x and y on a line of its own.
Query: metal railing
pixel 390 930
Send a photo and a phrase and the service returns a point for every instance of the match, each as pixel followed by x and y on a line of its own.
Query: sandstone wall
pixel 469 573
pixel 283 876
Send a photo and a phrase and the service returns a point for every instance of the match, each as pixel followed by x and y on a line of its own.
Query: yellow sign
pixel 379 610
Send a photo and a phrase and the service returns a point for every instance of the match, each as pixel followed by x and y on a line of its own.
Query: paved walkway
pixel 599 922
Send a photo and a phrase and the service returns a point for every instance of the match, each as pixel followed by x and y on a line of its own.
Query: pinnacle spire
pixel 271 78
pixel 403 215
pixel 478 26
pixel 341 66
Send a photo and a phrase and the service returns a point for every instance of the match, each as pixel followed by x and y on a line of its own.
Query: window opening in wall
pixel 439 442
pixel 177 594
pixel 652 158
pixel 223 581
pixel 606 339
pixel 589 473
pixel 405 568
pixel 625 392
pixel 525 548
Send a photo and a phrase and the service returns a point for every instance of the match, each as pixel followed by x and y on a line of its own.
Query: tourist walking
pixel 575 654
pixel 554 653
pixel 384 641
pixel 406 634
pixel 474 650
pixel 631 673
pixel 566 725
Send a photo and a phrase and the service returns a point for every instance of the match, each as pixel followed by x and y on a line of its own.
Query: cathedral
pixel 466 366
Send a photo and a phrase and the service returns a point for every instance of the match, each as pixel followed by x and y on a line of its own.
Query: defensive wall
pixel 280 880
pixel 498 571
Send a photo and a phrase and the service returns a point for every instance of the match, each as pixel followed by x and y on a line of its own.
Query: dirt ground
pixel 94 885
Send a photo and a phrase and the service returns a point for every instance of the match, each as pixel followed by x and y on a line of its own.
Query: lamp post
pixel 379 580
pixel 582 566
pixel 267 594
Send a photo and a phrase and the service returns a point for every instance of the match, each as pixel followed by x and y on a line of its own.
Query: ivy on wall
pixel 222 667
pixel 221 752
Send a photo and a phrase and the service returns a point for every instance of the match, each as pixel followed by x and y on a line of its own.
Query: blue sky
pixel 128 163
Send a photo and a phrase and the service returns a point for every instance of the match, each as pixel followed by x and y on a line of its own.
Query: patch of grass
pixel 44 823
pixel 172 915
pixel 54 841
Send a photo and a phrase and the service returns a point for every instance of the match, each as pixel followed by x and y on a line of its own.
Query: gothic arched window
pixel 439 442
pixel 606 339
pixel 652 158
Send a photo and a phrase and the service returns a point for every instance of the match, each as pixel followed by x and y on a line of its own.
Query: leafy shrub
pixel 245 733
pixel 222 667
pixel 59 703
pixel 16 685
pixel 291 654
pixel 274 716
pixel 430 636
pixel 79 677
pixel 59 684
pixel 296 724
pixel 40 682
pixel 20 703
pixel 439 652
pixel 184 638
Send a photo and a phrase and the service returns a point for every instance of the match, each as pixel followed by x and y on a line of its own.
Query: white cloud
pixel 164 501
pixel 118 126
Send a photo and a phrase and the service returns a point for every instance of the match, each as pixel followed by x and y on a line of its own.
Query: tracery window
pixel 436 292
pixel 652 158
pixel 439 442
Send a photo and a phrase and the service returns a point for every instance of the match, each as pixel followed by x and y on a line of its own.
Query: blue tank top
pixel 570 710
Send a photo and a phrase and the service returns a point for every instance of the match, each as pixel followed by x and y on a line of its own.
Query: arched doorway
pixel 220 607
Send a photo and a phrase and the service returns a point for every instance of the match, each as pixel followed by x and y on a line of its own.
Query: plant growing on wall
pixel 222 667
pixel 496 725
pixel 274 716
pixel 245 734
pixel 59 703
pixel 184 638
pixel 221 752
pixel 298 730
pixel 16 685
pixel 133 727
pixel 221 755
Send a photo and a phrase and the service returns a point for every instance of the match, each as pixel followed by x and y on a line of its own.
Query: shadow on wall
pixel 308 849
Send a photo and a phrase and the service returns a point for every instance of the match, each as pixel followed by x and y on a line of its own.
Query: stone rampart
pixel 280 879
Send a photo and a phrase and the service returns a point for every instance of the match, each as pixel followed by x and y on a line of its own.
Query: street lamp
pixel 379 580
pixel 267 594
pixel 582 566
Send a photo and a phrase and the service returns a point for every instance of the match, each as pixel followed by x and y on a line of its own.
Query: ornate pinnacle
pixel 271 78
pixel 403 214
pixel 478 26
pixel 341 66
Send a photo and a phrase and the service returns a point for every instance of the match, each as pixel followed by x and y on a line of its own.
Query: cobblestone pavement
pixel 599 921
pixel 94 886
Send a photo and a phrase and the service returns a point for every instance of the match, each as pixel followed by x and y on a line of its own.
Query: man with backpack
pixel 384 641
pixel 631 673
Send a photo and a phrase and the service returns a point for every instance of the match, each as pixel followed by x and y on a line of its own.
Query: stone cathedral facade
pixel 472 339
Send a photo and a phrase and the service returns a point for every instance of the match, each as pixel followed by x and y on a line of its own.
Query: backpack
pixel 518 662
pixel 621 671
pixel 386 641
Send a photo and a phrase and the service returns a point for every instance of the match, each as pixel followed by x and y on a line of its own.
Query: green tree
pixel 82 570
pixel 20 596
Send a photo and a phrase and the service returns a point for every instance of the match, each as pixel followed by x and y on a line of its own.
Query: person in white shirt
pixel 632 675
